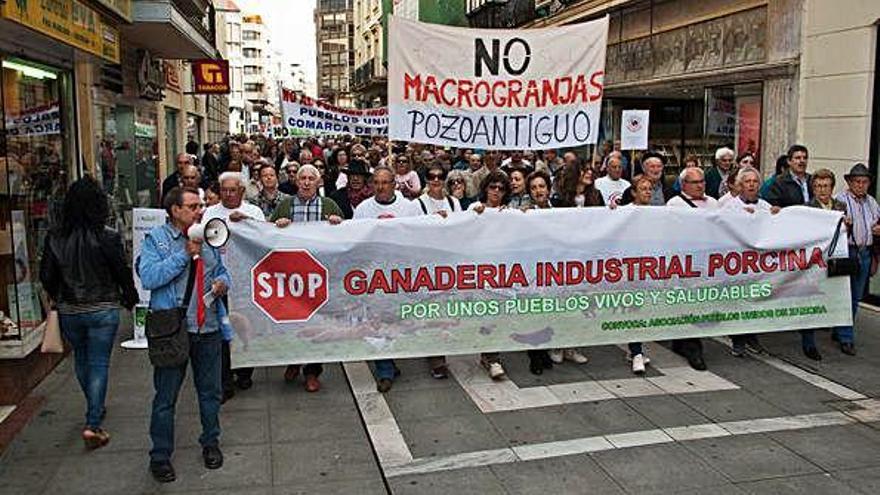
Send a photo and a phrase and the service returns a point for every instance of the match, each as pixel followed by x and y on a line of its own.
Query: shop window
pixel 35 169
pixel 733 119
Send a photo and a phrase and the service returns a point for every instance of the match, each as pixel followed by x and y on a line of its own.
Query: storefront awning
pixel 167 32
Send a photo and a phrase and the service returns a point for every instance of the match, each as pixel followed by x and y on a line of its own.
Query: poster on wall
pixel 748 125
pixel 26 310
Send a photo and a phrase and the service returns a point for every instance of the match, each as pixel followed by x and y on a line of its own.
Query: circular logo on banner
pixel 634 124
pixel 289 285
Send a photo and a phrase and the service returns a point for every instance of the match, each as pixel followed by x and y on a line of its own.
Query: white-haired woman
pixel 748 183
pixel 716 176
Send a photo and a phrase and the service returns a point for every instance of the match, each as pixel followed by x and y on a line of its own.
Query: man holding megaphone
pixel 180 265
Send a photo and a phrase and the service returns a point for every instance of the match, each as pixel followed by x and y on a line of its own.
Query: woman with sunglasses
pixel 406 179
pixel 435 201
pixel 494 192
pixel 456 186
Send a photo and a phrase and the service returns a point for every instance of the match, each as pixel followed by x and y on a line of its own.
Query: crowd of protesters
pixel 332 179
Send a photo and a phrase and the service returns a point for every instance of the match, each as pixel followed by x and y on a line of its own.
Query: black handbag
pixel 840 267
pixel 167 336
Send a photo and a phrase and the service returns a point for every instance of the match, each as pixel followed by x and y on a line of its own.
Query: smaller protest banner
pixel 634 130
pixel 304 114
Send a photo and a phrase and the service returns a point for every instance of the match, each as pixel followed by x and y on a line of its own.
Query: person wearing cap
pixel 792 188
pixel 652 167
pixel 716 176
pixel 356 189
pixel 863 214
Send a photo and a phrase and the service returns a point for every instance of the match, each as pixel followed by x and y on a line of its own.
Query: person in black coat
pixel 793 187
pixel 357 189
pixel 86 275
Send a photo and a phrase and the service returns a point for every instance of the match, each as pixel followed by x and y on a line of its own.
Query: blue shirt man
pixel 163 267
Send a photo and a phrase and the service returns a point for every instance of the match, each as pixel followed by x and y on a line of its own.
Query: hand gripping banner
pixel 505 281
pixel 496 88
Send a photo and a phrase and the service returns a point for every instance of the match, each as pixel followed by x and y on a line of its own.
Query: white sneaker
pixel 556 356
pixel 496 371
pixel 639 364
pixel 574 355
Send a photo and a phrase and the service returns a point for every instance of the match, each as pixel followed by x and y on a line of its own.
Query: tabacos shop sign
pixel 211 77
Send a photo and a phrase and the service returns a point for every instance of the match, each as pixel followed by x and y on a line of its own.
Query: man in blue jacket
pixel 163 267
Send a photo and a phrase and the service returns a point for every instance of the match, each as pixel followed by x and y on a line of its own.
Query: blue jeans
pixel 91 335
pixel 205 354
pixel 384 368
pixel 635 348
pixel 857 284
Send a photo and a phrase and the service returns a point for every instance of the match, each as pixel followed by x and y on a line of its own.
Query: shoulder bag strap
pixel 451 204
pixel 833 245
pixel 687 200
pixel 190 281
pixel 422 204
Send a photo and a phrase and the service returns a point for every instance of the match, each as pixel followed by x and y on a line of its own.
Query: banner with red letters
pixel 509 280
pixel 493 88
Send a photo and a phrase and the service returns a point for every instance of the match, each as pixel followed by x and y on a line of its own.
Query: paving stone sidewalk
pixel 279 439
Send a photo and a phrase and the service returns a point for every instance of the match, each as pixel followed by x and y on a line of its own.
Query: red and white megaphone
pixel 214 232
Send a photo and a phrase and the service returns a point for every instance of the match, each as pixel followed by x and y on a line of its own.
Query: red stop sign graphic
pixel 289 285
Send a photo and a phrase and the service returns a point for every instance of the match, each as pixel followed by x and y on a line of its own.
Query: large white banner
pixel 143 220
pixel 302 114
pixel 493 88
pixel 509 280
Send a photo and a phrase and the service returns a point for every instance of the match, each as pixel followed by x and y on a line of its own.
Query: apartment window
pixel 253 87
pixel 251 69
pixel 251 53
pixel 250 35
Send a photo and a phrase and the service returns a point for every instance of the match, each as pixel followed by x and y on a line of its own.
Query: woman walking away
pixel 84 272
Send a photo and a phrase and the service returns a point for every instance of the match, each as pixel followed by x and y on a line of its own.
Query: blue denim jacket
pixel 163 267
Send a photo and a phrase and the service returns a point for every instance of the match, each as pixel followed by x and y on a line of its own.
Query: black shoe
pixel 536 367
pixel 440 372
pixel 227 394
pixel 848 349
pixel 697 363
pixel 163 472
pixel 245 383
pixel 834 337
pixel 546 362
pixel 736 351
pixel 213 457
pixel 384 385
pixel 396 371
pixel 812 353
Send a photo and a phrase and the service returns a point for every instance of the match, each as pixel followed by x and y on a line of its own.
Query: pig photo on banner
pixel 495 88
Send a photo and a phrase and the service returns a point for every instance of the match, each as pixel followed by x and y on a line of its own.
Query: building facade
pixel 257 56
pixel 88 87
pixel 334 42
pixel 229 43
pixel 369 77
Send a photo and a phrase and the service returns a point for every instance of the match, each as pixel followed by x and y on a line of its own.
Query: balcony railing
pixel 368 73
pixel 500 13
